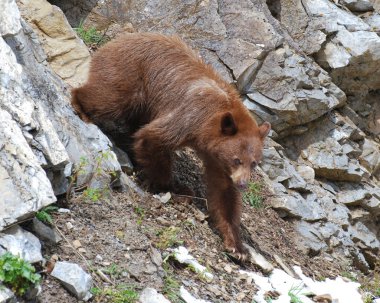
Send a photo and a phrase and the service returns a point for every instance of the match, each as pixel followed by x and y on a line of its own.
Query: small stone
pixel 323 298
pixel 163 198
pixel 150 295
pixel 214 289
pixel 259 260
pixel 77 244
pixel 240 296
pixel 82 250
pixel 155 256
pixel 98 258
pixel 228 268
pixel 69 225
pixel 188 298
pixel 74 279
pixel 64 210
pixel 163 221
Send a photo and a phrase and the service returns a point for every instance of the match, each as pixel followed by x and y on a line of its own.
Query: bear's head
pixel 239 146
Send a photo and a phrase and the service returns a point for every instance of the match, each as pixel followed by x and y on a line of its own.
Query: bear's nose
pixel 242 185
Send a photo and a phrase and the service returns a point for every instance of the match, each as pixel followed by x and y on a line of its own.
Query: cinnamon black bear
pixel 163 90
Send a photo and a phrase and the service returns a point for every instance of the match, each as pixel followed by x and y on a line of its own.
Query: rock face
pixel 310 67
pixel 41 139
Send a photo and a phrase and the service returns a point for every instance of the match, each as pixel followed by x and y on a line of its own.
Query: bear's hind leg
pixel 153 156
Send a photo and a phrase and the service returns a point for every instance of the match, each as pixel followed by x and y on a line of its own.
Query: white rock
pixel 259 260
pixel 335 17
pixel 188 298
pixel 6 295
pixel 181 254
pixel 74 279
pixel 10 17
pixel 150 295
pixel 22 243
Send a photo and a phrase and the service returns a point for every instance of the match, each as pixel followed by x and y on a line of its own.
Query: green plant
pixel 93 194
pixel 44 215
pixel 348 275
pixel 118 294
pixel 90 193
pixel 17 273
pixel 252 195
pixel 294 293
pixel 168 237
pixel 171 285
pixel 113 270
pixel 140 212
pixel 90 35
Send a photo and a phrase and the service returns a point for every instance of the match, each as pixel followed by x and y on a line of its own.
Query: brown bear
pixel 170 98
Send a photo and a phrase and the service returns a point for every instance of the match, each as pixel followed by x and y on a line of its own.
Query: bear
pixel 169 98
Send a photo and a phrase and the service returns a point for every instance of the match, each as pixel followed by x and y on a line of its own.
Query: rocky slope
pixel 310 67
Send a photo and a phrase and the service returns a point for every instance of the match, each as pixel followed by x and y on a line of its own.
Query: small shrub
pixel 252 195
pixel 168 237
pixel 90 35
pixel 141 214
pixel 44 215
pixel 118 294
pixel 93 194
pixel 18 274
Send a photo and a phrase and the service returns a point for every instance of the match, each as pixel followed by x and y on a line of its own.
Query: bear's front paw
pixel 238 251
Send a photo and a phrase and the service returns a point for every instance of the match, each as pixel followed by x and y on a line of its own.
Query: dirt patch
pixel 126 236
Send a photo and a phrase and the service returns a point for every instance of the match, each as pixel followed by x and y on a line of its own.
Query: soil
pixel 126 236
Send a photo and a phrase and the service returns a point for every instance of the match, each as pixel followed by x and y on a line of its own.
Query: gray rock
pixel 310 241
pixel 352 197
pixel 329 161
pixel 45 232
pixel 150 295
pixel 293 89
pixel 22 243
pixel 294 205
pixel 6 295
pixel 74 279
pixel 361 233
pixel 374 22
pixel 306 172
pixel 370 157
pixel 358 5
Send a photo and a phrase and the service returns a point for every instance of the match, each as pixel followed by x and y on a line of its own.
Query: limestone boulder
pixel 67 55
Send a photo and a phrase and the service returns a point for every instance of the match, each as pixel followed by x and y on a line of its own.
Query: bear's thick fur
pixel 169 98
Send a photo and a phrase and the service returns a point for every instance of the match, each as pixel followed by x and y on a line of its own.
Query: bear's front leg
pixel 224 205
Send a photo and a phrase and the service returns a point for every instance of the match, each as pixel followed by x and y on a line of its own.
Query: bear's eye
pixel 237 161
pixel 253 164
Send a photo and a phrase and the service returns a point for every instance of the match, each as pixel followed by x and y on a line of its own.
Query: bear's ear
pixel 264 129
pixel 228 125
